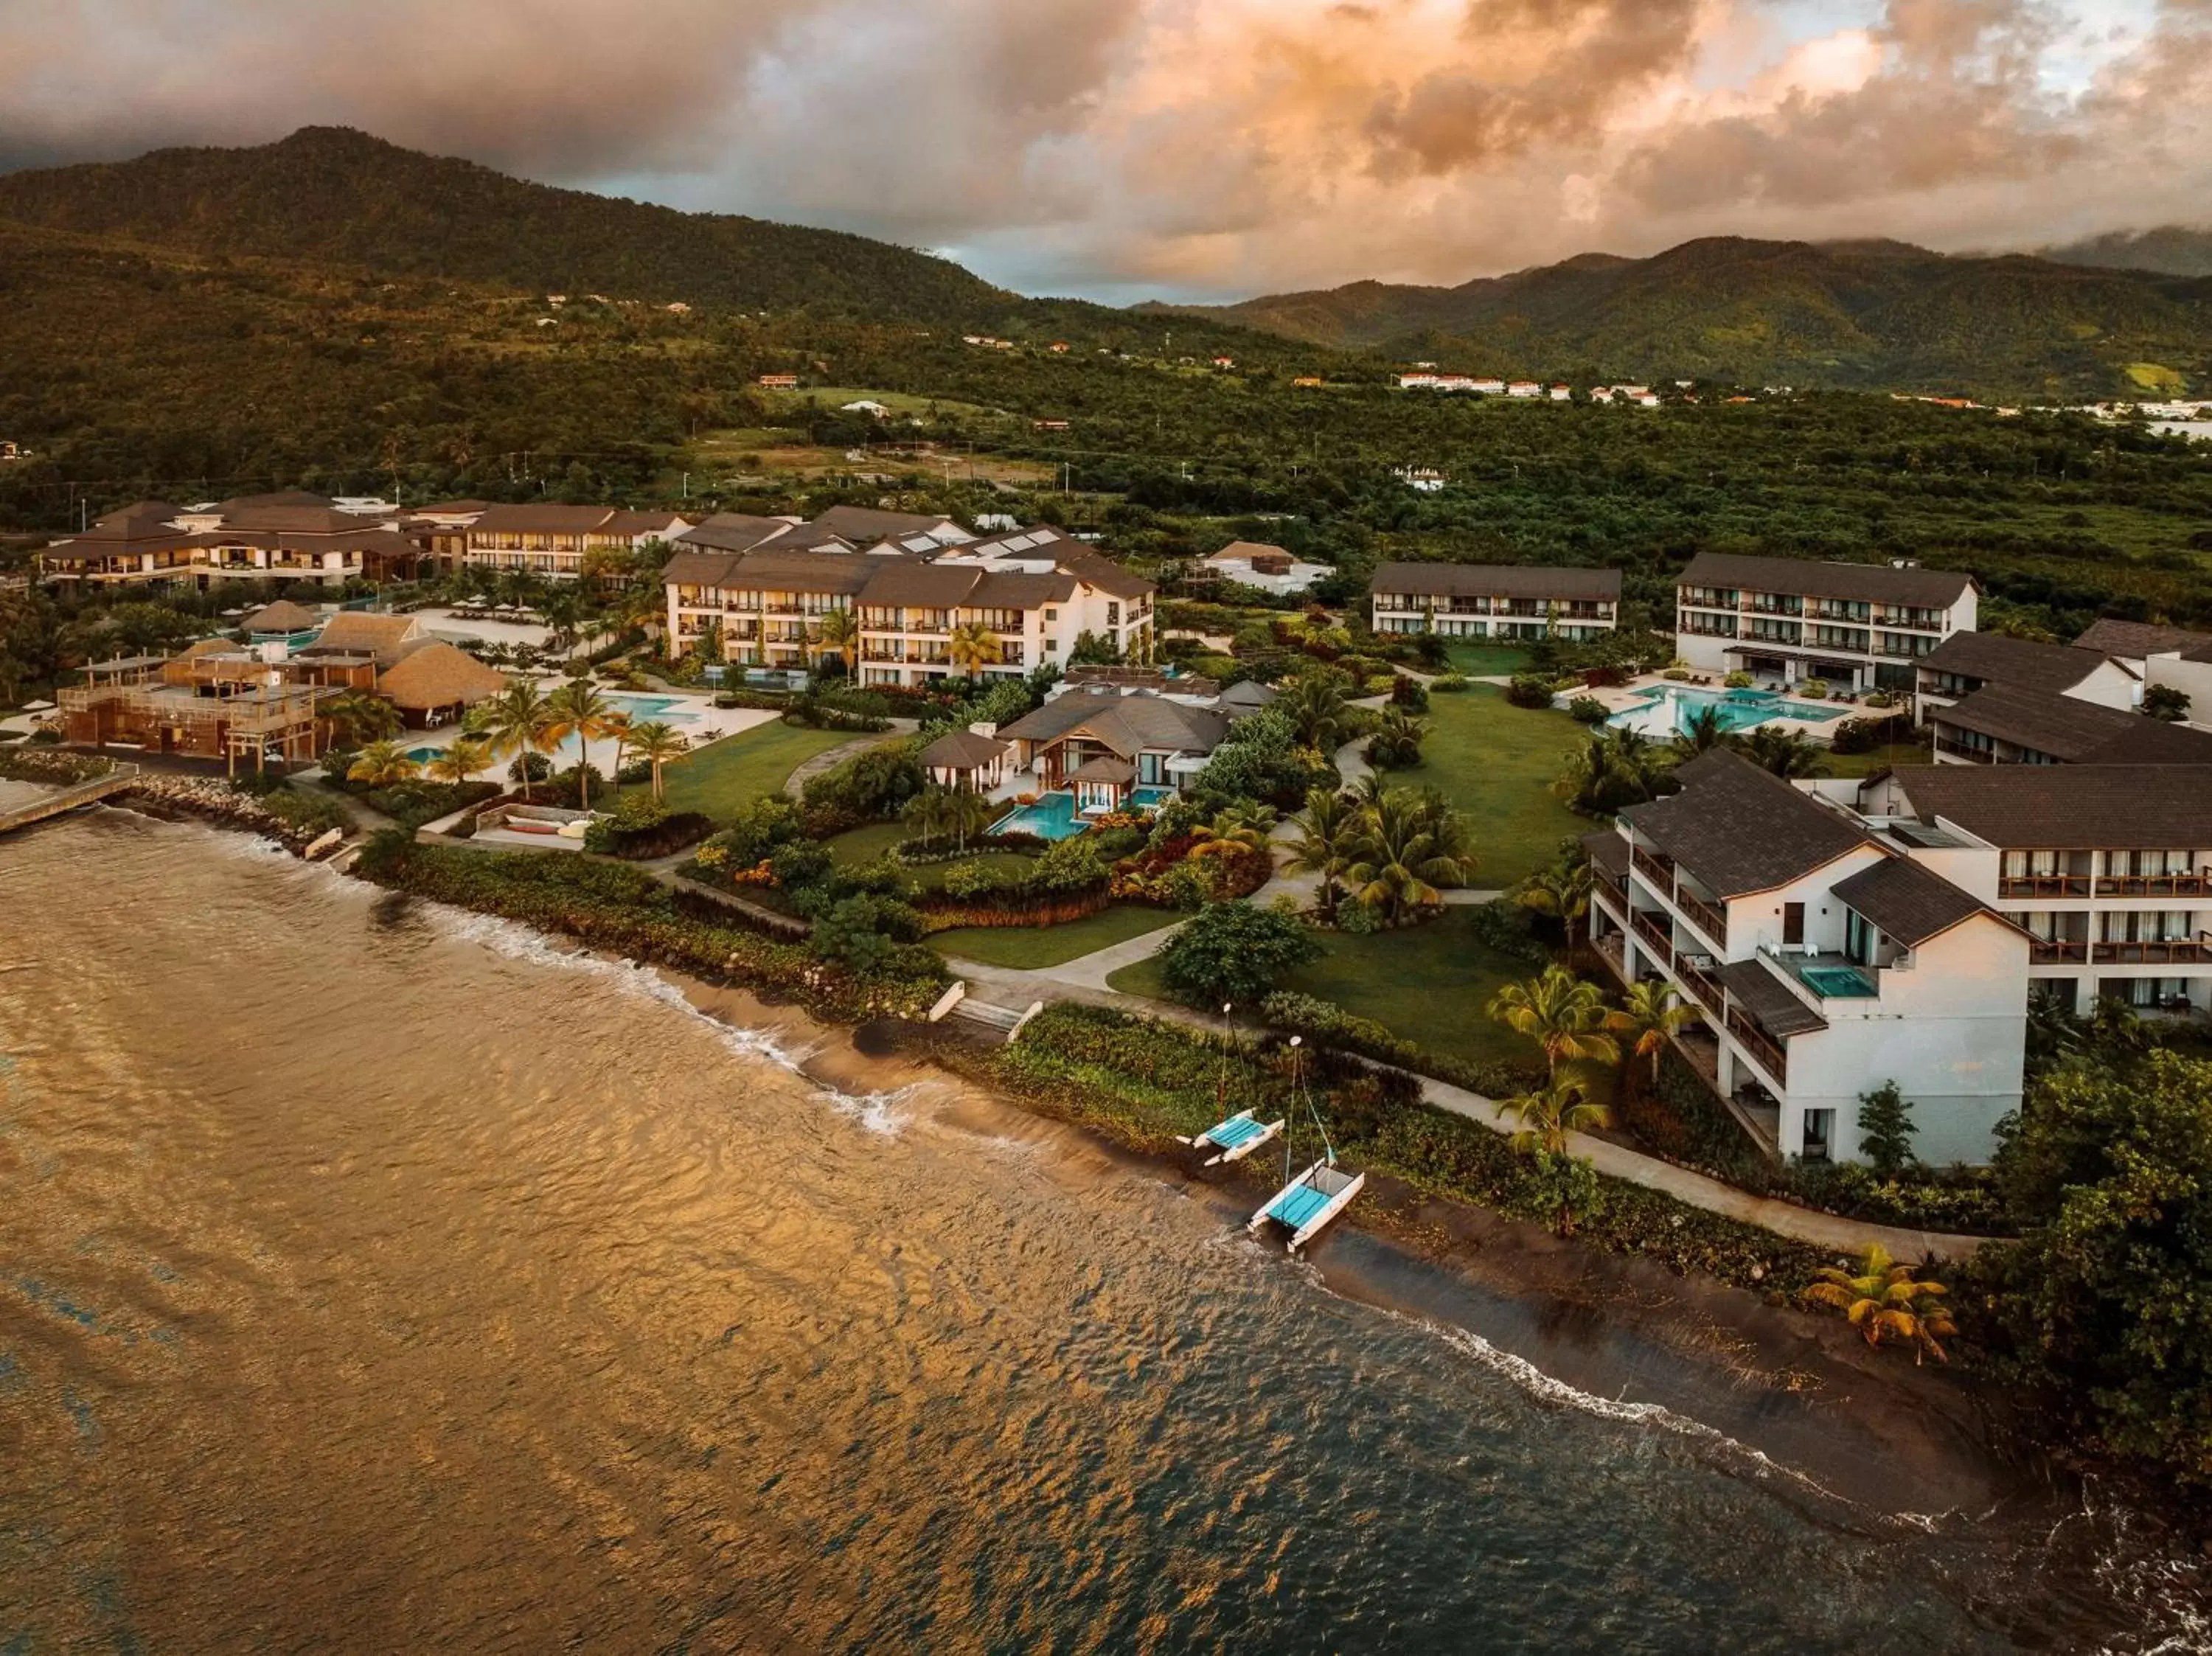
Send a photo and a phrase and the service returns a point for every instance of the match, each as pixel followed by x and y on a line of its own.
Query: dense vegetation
pixel 1851 314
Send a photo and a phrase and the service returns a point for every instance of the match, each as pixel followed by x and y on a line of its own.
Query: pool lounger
pixel 1236 1139
pixel 1309 1201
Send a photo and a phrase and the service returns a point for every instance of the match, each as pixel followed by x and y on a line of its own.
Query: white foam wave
pixel 512 940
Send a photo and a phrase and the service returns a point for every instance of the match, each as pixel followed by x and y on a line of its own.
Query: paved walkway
pixel 830 758
pixel 1090 971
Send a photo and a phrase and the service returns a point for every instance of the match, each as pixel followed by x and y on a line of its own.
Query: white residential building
pixel 1270 569
pixel 1495 600
pixel 1824 956
pixel 1860 627
pixel 1966 662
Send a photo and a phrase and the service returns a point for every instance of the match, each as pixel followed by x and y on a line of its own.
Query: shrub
pixel 1812 689
pixel 1448 684
pixel 1588 710
pixel 1232 951
pixel 1679 674
pixel 641 828
pixel 1865 735
pixel 1529 690
pixel 869 785
pixel 1409 692
pixel 1738 680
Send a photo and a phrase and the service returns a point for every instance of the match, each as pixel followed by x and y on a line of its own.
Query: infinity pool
pixel 1668 709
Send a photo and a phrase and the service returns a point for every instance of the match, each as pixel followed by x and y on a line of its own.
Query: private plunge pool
pixel 1666 710
pixel 1053 816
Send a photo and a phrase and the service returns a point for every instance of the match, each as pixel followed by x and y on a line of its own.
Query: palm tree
pixel 1314 707
pixel 1550 1112
pixel 578 709
pixel 1561 1014
pixel 464 759
pixel 1238 828
pixel 1649 1012
pixel 618 728
pixel 973 645
pixel 838 631
pixel 1396 743
pixel 657 744
pixel 1784 753
pixel 516 727
pixel 1329 828
pixel 1563 893
pixel 1882 1302
pixel 564 609
pixel 1398 866
pixel 381 764
pixel 356 717
pixel 1702 733
pixel 926 813
pixel 970 813
pixel 1450 840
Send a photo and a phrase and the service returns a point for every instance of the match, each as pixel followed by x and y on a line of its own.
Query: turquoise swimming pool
pixel 1666 710
pixel 1836 982
pixel 643 708
pixel 1052 817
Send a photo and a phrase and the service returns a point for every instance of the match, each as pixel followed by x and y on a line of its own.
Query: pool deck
pixel 694 716
pixel 1630 695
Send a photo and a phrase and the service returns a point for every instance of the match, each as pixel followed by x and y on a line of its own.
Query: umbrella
pixel 37 706
pixel 233 612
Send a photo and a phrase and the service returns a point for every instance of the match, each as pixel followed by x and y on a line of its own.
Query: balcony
pixel 1767 1053
pixel 1960 750
pixel 1649 927
pixel 2043 885
pixel 2154 885
pixel 1659 869
pixel 1712 921
pixel 2162 951
pixel 2059 951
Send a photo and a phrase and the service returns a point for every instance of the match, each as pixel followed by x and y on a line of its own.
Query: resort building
pixel 253 716
pixel 1270 569
pixel 1824 957
pixel 1858 626
pixel 255 537
pixel 1967 662
pixel 1998 726
pixel 1495 600
pixel 1111 747
pixel 556 541
pixel 973 761
pixel 2107 868
pixel 2134 643
pixel 1034 594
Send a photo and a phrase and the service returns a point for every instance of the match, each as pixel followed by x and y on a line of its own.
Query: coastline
pixel 1877 1432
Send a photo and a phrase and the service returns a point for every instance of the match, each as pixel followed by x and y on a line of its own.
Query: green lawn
pixel 1429 984
pixel 866 844
pixel 724 775
pixel 1866 764
pixel 1032 946
pixel 1486 660
pixel 1496 762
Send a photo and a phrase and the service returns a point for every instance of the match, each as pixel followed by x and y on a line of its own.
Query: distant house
pixel 865 405
pixel 1224 361
pixel 1049 425
pixel 1524 388
pixel 1059 348
pixel 778 382
pixel 11 450
pixel 678 308
pixel 1105 744
pixel 1255 563
pixel 1422 480
pixel 1999 726
pixel 1562 393
pixel 1307 381
pixel 1499 601
pixel 1488 387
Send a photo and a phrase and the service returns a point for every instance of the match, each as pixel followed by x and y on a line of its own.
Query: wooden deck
pixel 62 800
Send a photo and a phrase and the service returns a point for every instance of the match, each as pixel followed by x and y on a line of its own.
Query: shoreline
pixel 1895 1426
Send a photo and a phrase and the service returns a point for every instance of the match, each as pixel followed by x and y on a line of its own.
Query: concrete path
pixel 830 758
pixel 1090 971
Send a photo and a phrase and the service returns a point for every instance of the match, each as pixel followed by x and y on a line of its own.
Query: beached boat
pixel 1236 1139
pixel 1307 1203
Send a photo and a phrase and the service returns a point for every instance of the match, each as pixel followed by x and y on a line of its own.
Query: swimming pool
pixel 1668 709
pixel 424 755
pixel 1836 982
pixel 1150 798
pixel 643 708
pixel 1052 817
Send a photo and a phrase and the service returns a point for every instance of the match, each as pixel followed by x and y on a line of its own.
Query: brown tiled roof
pixel 1930 588
pixel 2134 639
pixel 1768 999
pixel 1505 581
pixel 1010 590
pixel 961 750
pixel 542 520
pixel 641 523
pixel 439 675
pixel 1996 659
pixel 698 569
pixel 1103 770
pixel 2071 807
pixel 280 498
pixel 1741 829
pixel 293 520
pixel 2076 733
pixel 893 581
pixel 859 524
pixel 732 532
pixel 1908 902
pixel 1127 724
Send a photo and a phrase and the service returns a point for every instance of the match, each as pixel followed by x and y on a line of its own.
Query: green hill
pixel 1872 315
pixel 2173 249
pixel 332 196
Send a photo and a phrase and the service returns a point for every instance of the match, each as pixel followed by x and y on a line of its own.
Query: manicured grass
pixel 1496 762
pixel 733 772
pixel 1428 984
pixel 1866 764
pixel 1486 660
pixel 866 844
pixel 1032 946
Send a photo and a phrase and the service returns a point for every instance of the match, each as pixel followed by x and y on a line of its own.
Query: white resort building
pixel 1495 600
pixel 1859 627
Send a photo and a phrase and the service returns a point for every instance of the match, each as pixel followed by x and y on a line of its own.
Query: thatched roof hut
pixel 281 619
pixel 437 676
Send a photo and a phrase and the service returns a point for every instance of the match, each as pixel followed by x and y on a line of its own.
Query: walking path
pixel 830 758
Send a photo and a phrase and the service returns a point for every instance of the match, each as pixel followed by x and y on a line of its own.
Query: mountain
pixel 333 195
pixel 2173 249
pixel 1869 314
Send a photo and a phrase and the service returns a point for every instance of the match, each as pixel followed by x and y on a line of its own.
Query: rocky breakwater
pixel 293 821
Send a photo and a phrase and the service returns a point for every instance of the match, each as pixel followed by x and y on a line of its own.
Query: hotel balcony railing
pixel 2043 885
pixel 1769 1053
pixel 1960 750
pixel 2159 951
pixel 1612 898
pixel 1703 986
pixel 2154 885
pixel 1712 921
pixel 1658 868
pixel 1659 936
pixel 2059 951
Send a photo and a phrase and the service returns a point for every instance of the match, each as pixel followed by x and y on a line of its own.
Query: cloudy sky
pixel 1202 148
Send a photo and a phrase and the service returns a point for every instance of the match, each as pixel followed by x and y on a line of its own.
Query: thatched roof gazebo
pixel 280 620
pixel 437 681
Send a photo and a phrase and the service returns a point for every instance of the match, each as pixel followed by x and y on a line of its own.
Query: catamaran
pixel 1306 1204
pixel 1234 1136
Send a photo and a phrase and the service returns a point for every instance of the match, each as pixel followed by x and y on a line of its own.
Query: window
pixel 1820 1129
pixel 1858 937
pixel 1113 614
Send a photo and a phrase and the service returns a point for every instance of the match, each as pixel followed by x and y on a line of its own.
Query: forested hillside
pixel 1864 314
pixel 333 195
pixel 2174 249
